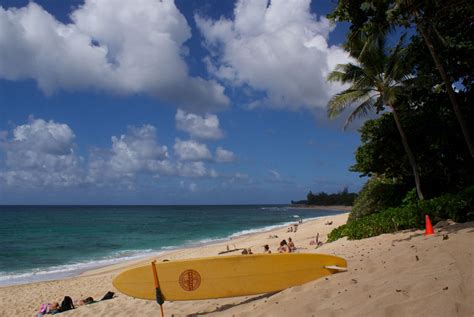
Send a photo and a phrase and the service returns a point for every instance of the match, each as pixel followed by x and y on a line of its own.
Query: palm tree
pixel 375 82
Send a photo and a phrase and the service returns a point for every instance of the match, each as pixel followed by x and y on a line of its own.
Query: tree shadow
pixel 454 228
pixel 229 306
pixel 414 235
pixel 441 228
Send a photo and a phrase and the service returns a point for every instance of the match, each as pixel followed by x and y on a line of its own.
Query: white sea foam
pixel 262 229
pixel 268 228
pixel 275 208
pixel 72 269
pixel 205 241
pixel 169 247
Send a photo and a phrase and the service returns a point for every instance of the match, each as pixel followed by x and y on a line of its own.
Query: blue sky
pixel 186 102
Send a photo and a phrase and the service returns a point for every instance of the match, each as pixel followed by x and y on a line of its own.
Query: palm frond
pixel 345 73
pixel 376 80
pixel 359 78
pixel 359 40
pixel 361 110
pixel 339 102
pixel 390 96
pixel 373 57
pixel 397 66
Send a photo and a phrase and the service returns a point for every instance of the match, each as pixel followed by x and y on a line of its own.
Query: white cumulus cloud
pixel 277 47
pixel 135 152
pixel 223 156
pixel 192 169
pixel 191 151
pixel 201 127
pixel 41 153
pixel 124 47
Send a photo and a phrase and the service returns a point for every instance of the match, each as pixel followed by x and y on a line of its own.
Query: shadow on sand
pixel 229 306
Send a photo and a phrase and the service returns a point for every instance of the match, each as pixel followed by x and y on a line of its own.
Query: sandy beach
pixel 401 274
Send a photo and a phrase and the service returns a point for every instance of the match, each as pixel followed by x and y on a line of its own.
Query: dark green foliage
pixel 447 26
pixel 459 207
pixel 377 194
pixel 299 202
pixel 322 199
pixel 438 146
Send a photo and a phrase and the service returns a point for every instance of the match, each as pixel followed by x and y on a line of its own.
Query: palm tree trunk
pixel 409 153
pixel 447 83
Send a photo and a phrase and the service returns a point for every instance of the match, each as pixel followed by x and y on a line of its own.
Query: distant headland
pixel 340 199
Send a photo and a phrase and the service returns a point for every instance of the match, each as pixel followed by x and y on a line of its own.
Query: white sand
pixel 401 274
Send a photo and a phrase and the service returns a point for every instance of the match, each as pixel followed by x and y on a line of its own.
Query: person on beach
pixel 266 249
pixel 291 245
pixel 68 304
pixel 284 247
pixel 86 301
pixel 316 241
pixel 244 251
pixel 53 308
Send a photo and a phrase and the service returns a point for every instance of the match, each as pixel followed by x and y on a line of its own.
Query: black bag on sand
pixel 109 295
pixel 67 304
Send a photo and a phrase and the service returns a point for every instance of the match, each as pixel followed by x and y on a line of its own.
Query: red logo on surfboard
pixel 190 280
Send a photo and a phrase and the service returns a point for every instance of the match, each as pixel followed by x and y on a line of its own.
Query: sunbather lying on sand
pixel 67 304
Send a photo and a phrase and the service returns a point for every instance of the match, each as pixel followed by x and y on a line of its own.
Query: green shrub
pixel 377 194
pixel 459 207
pixel 337 233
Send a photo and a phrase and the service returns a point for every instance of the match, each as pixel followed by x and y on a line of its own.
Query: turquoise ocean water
pixel 49 242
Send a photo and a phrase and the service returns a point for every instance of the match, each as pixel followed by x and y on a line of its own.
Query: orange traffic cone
pixel 429 227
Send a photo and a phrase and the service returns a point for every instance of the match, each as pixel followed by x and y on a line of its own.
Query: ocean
pixel 39 243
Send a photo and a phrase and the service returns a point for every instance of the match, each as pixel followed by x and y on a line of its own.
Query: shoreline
pixel 392 274
pixel 323 207
pixel 231 240
pixel 94 265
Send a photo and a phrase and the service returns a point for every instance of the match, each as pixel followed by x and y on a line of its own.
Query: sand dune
pixel 401 274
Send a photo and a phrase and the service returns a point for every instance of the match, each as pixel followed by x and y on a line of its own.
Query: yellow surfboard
pixel 226 276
